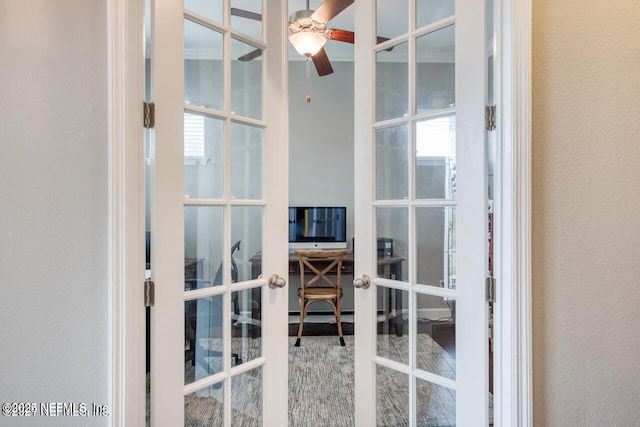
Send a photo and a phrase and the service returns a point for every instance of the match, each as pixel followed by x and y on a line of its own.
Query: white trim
pixel 364 299
pixel 114 364
pixel 125 20
pixel 512 323
pixel 275 257
pixel 472 337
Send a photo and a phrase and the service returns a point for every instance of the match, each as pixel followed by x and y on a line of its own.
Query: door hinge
pixel 149 115
pixel 149 290
pixel 490 117
pixel 491 289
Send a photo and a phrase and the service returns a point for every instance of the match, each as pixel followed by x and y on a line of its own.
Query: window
pixel 193 137
pixel 436 137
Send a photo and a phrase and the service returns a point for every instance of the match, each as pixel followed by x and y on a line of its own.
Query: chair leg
pixel 337 309
pixel 303 314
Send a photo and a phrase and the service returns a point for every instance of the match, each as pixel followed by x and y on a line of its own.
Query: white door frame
pixel 512 323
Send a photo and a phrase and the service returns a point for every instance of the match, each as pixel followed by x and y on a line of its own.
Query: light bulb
pixel 307 43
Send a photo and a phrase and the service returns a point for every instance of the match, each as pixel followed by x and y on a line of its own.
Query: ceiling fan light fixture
pixel 307 43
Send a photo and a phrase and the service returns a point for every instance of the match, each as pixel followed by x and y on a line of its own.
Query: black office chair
pixel 191 312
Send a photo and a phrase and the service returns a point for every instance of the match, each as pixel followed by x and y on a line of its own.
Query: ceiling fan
pixel 309 32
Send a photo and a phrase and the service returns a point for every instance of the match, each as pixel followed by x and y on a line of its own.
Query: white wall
pixel 53 221
pixel 321 138
pixel 321 150
pixel 586 204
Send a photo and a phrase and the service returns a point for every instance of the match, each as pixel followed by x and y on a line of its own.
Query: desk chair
pixel 320 263
pixel 190 315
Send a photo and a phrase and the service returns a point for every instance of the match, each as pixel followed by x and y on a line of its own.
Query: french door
pixel 220 172
pixel 421 194
pixel 219 202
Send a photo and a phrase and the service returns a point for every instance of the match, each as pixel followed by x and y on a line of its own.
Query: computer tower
pixel 385 247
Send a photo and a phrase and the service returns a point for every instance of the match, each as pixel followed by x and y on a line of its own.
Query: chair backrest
pixel 320 263
pixel 234 267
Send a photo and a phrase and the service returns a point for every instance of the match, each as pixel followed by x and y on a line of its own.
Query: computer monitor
pixel 317 227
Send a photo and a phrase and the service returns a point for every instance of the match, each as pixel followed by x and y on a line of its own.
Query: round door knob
pixel 362 282
pixel 276 281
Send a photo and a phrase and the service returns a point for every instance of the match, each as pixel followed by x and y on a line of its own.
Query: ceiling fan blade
pixel 251 55
pixel 329 9
pixel 321 61
pixel 340 35
pixel 246 14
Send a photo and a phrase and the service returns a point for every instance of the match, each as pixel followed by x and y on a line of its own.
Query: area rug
pixel 321 378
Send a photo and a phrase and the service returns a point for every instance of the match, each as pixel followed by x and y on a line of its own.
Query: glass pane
pixel 392 398
pixel 392 163
pixel 435 405
pixel 436 247
pixel 246 237
pixel 205 407
pixel 211 9
pixel 202 247
pixel 246 80
pixel 436 335
pixel 389 22
pixel 430 11
pixel 246 162
pixel 435 70
pixel 246 317
pixel 246 399
pixel 392 83
pixel 246 17
pixel 203 82
pixel 392 340
pixel 203 338
pixel 203 157
pixel 436 158
pixel 392 240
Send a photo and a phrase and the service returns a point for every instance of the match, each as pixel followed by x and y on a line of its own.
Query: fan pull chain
pixel 308 61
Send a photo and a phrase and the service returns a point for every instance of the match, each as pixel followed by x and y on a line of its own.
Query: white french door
pixel 219 213
pixel 421 196
pixel 220 172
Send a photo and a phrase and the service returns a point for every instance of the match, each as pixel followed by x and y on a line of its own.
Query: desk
pixel 389 268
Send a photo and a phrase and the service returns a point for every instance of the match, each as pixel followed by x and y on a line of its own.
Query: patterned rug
pixel 321 387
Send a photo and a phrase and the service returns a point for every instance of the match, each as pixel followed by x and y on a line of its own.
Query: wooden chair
pixel 320 263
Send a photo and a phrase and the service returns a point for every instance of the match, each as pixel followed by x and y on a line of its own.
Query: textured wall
pixel 53 215
pixel 586 212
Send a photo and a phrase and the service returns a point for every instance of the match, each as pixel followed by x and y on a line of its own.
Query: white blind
pixel 436 137
pixel 193 136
